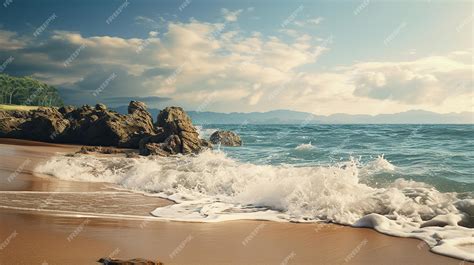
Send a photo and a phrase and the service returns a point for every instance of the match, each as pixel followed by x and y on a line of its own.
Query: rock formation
pixel 100 126
pixel 10 121
pixel 226 138
pixel 173 132
pixel 177 135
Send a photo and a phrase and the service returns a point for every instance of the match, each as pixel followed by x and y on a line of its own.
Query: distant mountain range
pixel 296 117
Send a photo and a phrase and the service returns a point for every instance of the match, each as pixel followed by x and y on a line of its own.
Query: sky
pixel 323 57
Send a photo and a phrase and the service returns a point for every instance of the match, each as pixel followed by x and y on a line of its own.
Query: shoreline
pixel 210 243
pixel 235 242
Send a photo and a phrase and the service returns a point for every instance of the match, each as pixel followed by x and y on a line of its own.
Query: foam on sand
pixel 212 187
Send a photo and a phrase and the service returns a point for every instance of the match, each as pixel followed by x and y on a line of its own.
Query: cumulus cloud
pixel 210 66
pixel 179 62
pixel 427 80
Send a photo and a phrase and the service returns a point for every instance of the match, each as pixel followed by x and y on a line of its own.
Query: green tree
pixel 27 91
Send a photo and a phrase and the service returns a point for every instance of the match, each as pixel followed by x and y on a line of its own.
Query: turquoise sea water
pixel 440 155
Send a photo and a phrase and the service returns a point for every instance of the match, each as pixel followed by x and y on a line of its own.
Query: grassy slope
pixel 17 107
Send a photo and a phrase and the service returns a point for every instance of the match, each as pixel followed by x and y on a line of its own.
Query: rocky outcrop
pixel 226 138
pixel 43 124
pixel 177 135
pixel 100 126
pixel 101 150
pixel 10 122
pixel 175 121
pixel 172 134
pixel 100 106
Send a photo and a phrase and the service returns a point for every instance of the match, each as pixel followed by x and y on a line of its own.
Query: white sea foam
pixel 380 163
pixel 205 133
pixel 211 187
pixel 304 147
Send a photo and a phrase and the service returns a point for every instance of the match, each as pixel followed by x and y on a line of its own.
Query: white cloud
pixel 290 32
pixel 11 41
pixel 149 22
pixel 308 22
pixel 236 71
pixel 230 16
pixel 426 80
pixel 315 21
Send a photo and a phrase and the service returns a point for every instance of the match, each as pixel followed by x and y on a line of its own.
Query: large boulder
pixel 170 146
pixel 100 126
pixel 10 122
pixel 226 138
pixel 136 125
pixel 100 106
pixel 175 121
pixel 138 113
pixel 176 134
pixel 44 124
pixel 66 109
pixel 134 106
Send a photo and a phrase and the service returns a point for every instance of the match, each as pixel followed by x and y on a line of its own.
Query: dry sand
pixel 63 228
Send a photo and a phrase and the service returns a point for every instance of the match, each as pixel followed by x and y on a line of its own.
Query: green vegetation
pixel 27 91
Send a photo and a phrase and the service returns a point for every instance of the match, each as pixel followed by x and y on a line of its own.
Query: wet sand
pixel 58 225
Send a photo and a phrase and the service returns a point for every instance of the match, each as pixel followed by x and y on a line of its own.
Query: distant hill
pixel 270 117
pixel 296 117
pixel 27 91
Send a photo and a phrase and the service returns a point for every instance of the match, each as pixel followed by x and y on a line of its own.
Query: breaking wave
pixel 205 133
pixel 212 187
pixel 304 147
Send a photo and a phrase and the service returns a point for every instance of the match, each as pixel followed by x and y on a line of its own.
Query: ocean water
pixel 440 155
pixel 403 180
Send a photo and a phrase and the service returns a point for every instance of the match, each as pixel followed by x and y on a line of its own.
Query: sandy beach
pixel 49 221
